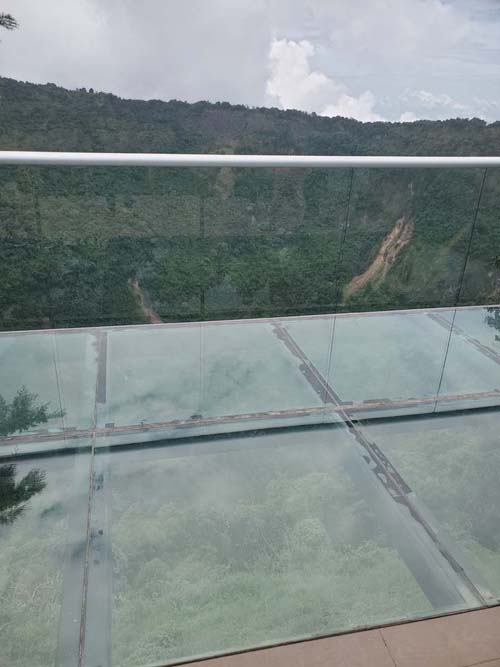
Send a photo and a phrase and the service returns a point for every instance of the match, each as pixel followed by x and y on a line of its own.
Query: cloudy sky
pixel 365 59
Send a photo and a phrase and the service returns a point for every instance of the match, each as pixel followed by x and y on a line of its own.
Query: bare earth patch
pixel 146 307
pixel 397 239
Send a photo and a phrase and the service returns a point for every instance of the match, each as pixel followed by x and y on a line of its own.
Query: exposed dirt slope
pixel 144 303
pixel 397 239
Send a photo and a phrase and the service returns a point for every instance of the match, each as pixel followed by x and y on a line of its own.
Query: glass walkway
pixel 201 488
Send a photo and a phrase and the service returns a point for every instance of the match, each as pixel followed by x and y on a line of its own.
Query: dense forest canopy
pixel 86 246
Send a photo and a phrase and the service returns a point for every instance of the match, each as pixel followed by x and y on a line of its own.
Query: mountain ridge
pixel 221 243
pixel 224 120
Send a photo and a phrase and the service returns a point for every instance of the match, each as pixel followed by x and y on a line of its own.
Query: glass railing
pixel 244 400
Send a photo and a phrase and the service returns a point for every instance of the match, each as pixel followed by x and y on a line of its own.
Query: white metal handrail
pixel 252 161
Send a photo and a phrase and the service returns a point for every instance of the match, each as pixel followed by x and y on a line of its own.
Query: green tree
pixel 14 496
pixel 8 22
pixel 23 413
pixel 493 319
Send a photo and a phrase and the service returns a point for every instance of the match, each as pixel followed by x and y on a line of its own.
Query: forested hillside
pixel 85 246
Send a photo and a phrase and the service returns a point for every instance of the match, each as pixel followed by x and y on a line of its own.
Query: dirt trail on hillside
pixel 397 239
pixel 146 308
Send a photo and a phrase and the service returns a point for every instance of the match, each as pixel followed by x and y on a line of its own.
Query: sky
pixel 396 60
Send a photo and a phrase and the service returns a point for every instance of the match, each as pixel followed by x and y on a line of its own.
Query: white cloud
pixel 448 49
pixel 327 55
pixel 432 100
pixel 408 117
pixel 360 107
pixel 166 50
pixel 441 105
pixel 397 32
pixel 493 104
pixel 294 84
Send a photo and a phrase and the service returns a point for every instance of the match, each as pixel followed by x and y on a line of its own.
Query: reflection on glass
pixel 23 413
pixel 453 464
pixel 141 383
pixel 14 496
pixel 60 368
pixel 208 371
pixel 150 375
pixel 492 319
pixel 250 368
pixel 42 538
pixel 254 541
pixel 381 359
pixel 472 369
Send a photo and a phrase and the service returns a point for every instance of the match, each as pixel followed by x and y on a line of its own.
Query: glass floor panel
pixel 241 541
pixel 165 374
pixel 399 355
pixel 472 368
pixel 207 545
pixel 452 465
pixel 373 354
pixel 43 516
pixel 59 367
pixel 481 324
pixel 148 382
pixel 210 487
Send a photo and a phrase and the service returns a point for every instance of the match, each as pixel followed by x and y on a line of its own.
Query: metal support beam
pixel 438 573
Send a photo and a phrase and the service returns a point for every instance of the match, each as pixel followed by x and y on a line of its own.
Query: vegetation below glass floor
pixel 221 551
pixel 453 465
pixel 42 521
pixel 230 542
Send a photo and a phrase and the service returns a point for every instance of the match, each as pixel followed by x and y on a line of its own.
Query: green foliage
pixel 210 243
pixel 454 468
pixel 493 320
pixel 30 588
pixel 33 538
pixel 246 549
pixel 14 496
pixel 8 22
pixel 23 413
